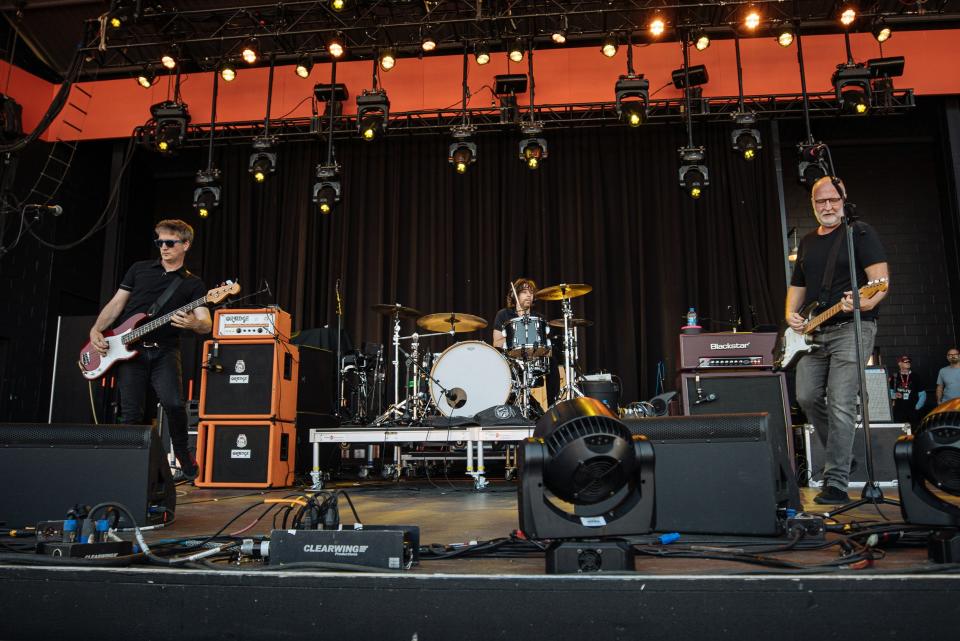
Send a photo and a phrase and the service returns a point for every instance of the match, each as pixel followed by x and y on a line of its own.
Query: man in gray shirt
pixel 948 381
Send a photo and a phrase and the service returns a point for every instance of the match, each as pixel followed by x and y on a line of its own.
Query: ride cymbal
pixel 389 310
pixel 562 291
pixel 574 322
pixel 451 321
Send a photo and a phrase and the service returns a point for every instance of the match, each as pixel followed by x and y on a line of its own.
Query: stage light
pixel 584 475
pixel 656 27
pixel 373 113
pixel 116 22
pixel 263 160
pixel 694 177
pixel 482 53
pixel 609 46
pixel 785 36
pixel 848 15
pixel 852 86
pixel 559 36
pixel 930 458
pixel 206 196
pixel 337 5
pixel 881 30
pixel 304 66
pixel 147 78
pixel 171 120
pixel 745 137
pixel 752 20
pixel 632 97
pixel 326 188
pixel 249 52
pixel 701 40
pixel 506 87
pixel 697 75
pixel 811 166
pixel 388 59
pixel 533 148
pixel 168 60
pixel 462 153
pixel 335 46
pixel 515 50
pixel 228 71
pixel 427 41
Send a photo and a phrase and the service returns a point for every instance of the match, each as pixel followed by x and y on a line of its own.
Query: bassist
pixel 828 377
pixel 145 284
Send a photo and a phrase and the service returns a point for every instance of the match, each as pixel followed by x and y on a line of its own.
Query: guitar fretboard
pixel 160 321
pixel 817 320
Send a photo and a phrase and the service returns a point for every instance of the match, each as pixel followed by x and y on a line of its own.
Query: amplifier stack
pixel 248 400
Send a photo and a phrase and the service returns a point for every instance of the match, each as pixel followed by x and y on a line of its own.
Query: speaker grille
pixel 704 427
pixel 100 436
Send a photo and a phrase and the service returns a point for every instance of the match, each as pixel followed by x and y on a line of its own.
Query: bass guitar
pixel 793 344
pixel 93 365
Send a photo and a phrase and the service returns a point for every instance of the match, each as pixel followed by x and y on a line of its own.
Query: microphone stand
pixel 339 412
pixel 872 494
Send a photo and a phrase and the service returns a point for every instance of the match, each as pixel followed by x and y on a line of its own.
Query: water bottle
pixel 691 317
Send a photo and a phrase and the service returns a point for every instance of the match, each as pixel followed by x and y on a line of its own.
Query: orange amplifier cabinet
pixel 246 453
pixel 249 378
pixel 251 323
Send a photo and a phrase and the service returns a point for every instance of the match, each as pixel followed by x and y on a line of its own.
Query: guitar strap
pixel 165 296
pixel 825 286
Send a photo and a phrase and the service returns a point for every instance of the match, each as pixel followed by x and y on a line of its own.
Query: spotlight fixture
pixel 533 148
pixel 785 36
pixel 657 27
pixel 852 85
pixel 168 60
pixel 228 71
pixel 609 46
pixel 373 112
pixel 848 15
pixel 559 36
pixel 462 153
pixel 171 120
pixel 335 46
pixel 147 78
pixel 745 137
pixel 811 167
pixel 206 196
pixel 697 75
pixel 482 53
pixel 701 40
pixel 693 174
pixel 388 58
pixel 881 30
pixel 116 22
pixel 326 188
pixel 928 461
pixel 515 50
pixel 249 52
pixel 304 66
pixel 338 5
pixel 632 96
pixel 427 42
pixel 263 160
pixel 752 19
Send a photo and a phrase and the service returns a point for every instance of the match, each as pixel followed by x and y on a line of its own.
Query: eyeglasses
pixel 820 202
pixel 953 354
pixel 168 242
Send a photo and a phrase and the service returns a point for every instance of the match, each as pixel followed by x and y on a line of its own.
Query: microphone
pixel 814 152
pixel 709 398
pixel 56 210
pixel 457 397
pixel 266 286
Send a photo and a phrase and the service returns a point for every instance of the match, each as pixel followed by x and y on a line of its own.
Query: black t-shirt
pixel 503 317
pixel 812 259
pixel 146 281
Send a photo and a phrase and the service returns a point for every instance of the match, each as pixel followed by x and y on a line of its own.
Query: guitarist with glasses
pixel 828 377
pixel 157 287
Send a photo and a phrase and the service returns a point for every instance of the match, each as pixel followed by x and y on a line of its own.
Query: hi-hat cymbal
pixel 574 322
pixel 389 310
pixel 451 321
pixel 563 290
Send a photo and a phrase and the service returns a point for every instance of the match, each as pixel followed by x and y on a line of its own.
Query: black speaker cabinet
pixel 47 469
pixel 715 474
pixel 317 384
pixel 246 453
pixel 734 392
pixel 249 379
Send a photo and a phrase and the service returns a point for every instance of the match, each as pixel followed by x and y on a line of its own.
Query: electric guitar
pixel 793 344
pixel 93 365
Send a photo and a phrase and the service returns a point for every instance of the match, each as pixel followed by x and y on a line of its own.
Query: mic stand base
pixel 872 494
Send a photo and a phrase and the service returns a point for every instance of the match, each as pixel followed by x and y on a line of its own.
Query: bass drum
pixel 476 375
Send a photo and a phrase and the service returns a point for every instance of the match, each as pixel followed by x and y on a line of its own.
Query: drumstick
pixel 516 297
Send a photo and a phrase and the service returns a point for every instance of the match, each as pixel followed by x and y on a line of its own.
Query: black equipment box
pixel 389 547
pixel 883 437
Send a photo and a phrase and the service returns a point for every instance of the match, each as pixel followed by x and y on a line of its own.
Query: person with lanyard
pixel 148 282
pixel 828 378
pixel 907 392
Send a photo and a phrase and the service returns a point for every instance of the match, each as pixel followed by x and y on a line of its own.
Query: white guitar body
pixel 793 346
pixel 99 364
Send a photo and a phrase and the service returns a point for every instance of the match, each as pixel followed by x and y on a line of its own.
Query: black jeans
pixel 160 367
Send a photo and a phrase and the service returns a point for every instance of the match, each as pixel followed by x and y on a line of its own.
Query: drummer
pixel 516 306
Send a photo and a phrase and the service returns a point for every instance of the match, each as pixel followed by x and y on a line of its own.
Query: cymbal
pixel 563 290
pixel 574 322
pixel 389 310
pixel 447 321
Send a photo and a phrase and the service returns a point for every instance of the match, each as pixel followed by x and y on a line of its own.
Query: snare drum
pixel 476 375
pixel 527 336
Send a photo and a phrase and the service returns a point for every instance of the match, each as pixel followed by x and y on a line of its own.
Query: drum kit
pixel 471 375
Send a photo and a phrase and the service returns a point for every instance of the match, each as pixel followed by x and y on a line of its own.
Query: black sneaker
pixel 830 495
pixel 181 475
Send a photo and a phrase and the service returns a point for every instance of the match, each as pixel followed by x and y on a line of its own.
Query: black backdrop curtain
pixel 605 209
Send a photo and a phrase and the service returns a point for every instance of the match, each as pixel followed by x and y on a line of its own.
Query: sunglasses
pixel 168 242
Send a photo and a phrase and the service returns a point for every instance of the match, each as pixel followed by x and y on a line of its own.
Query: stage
pixel 901 595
